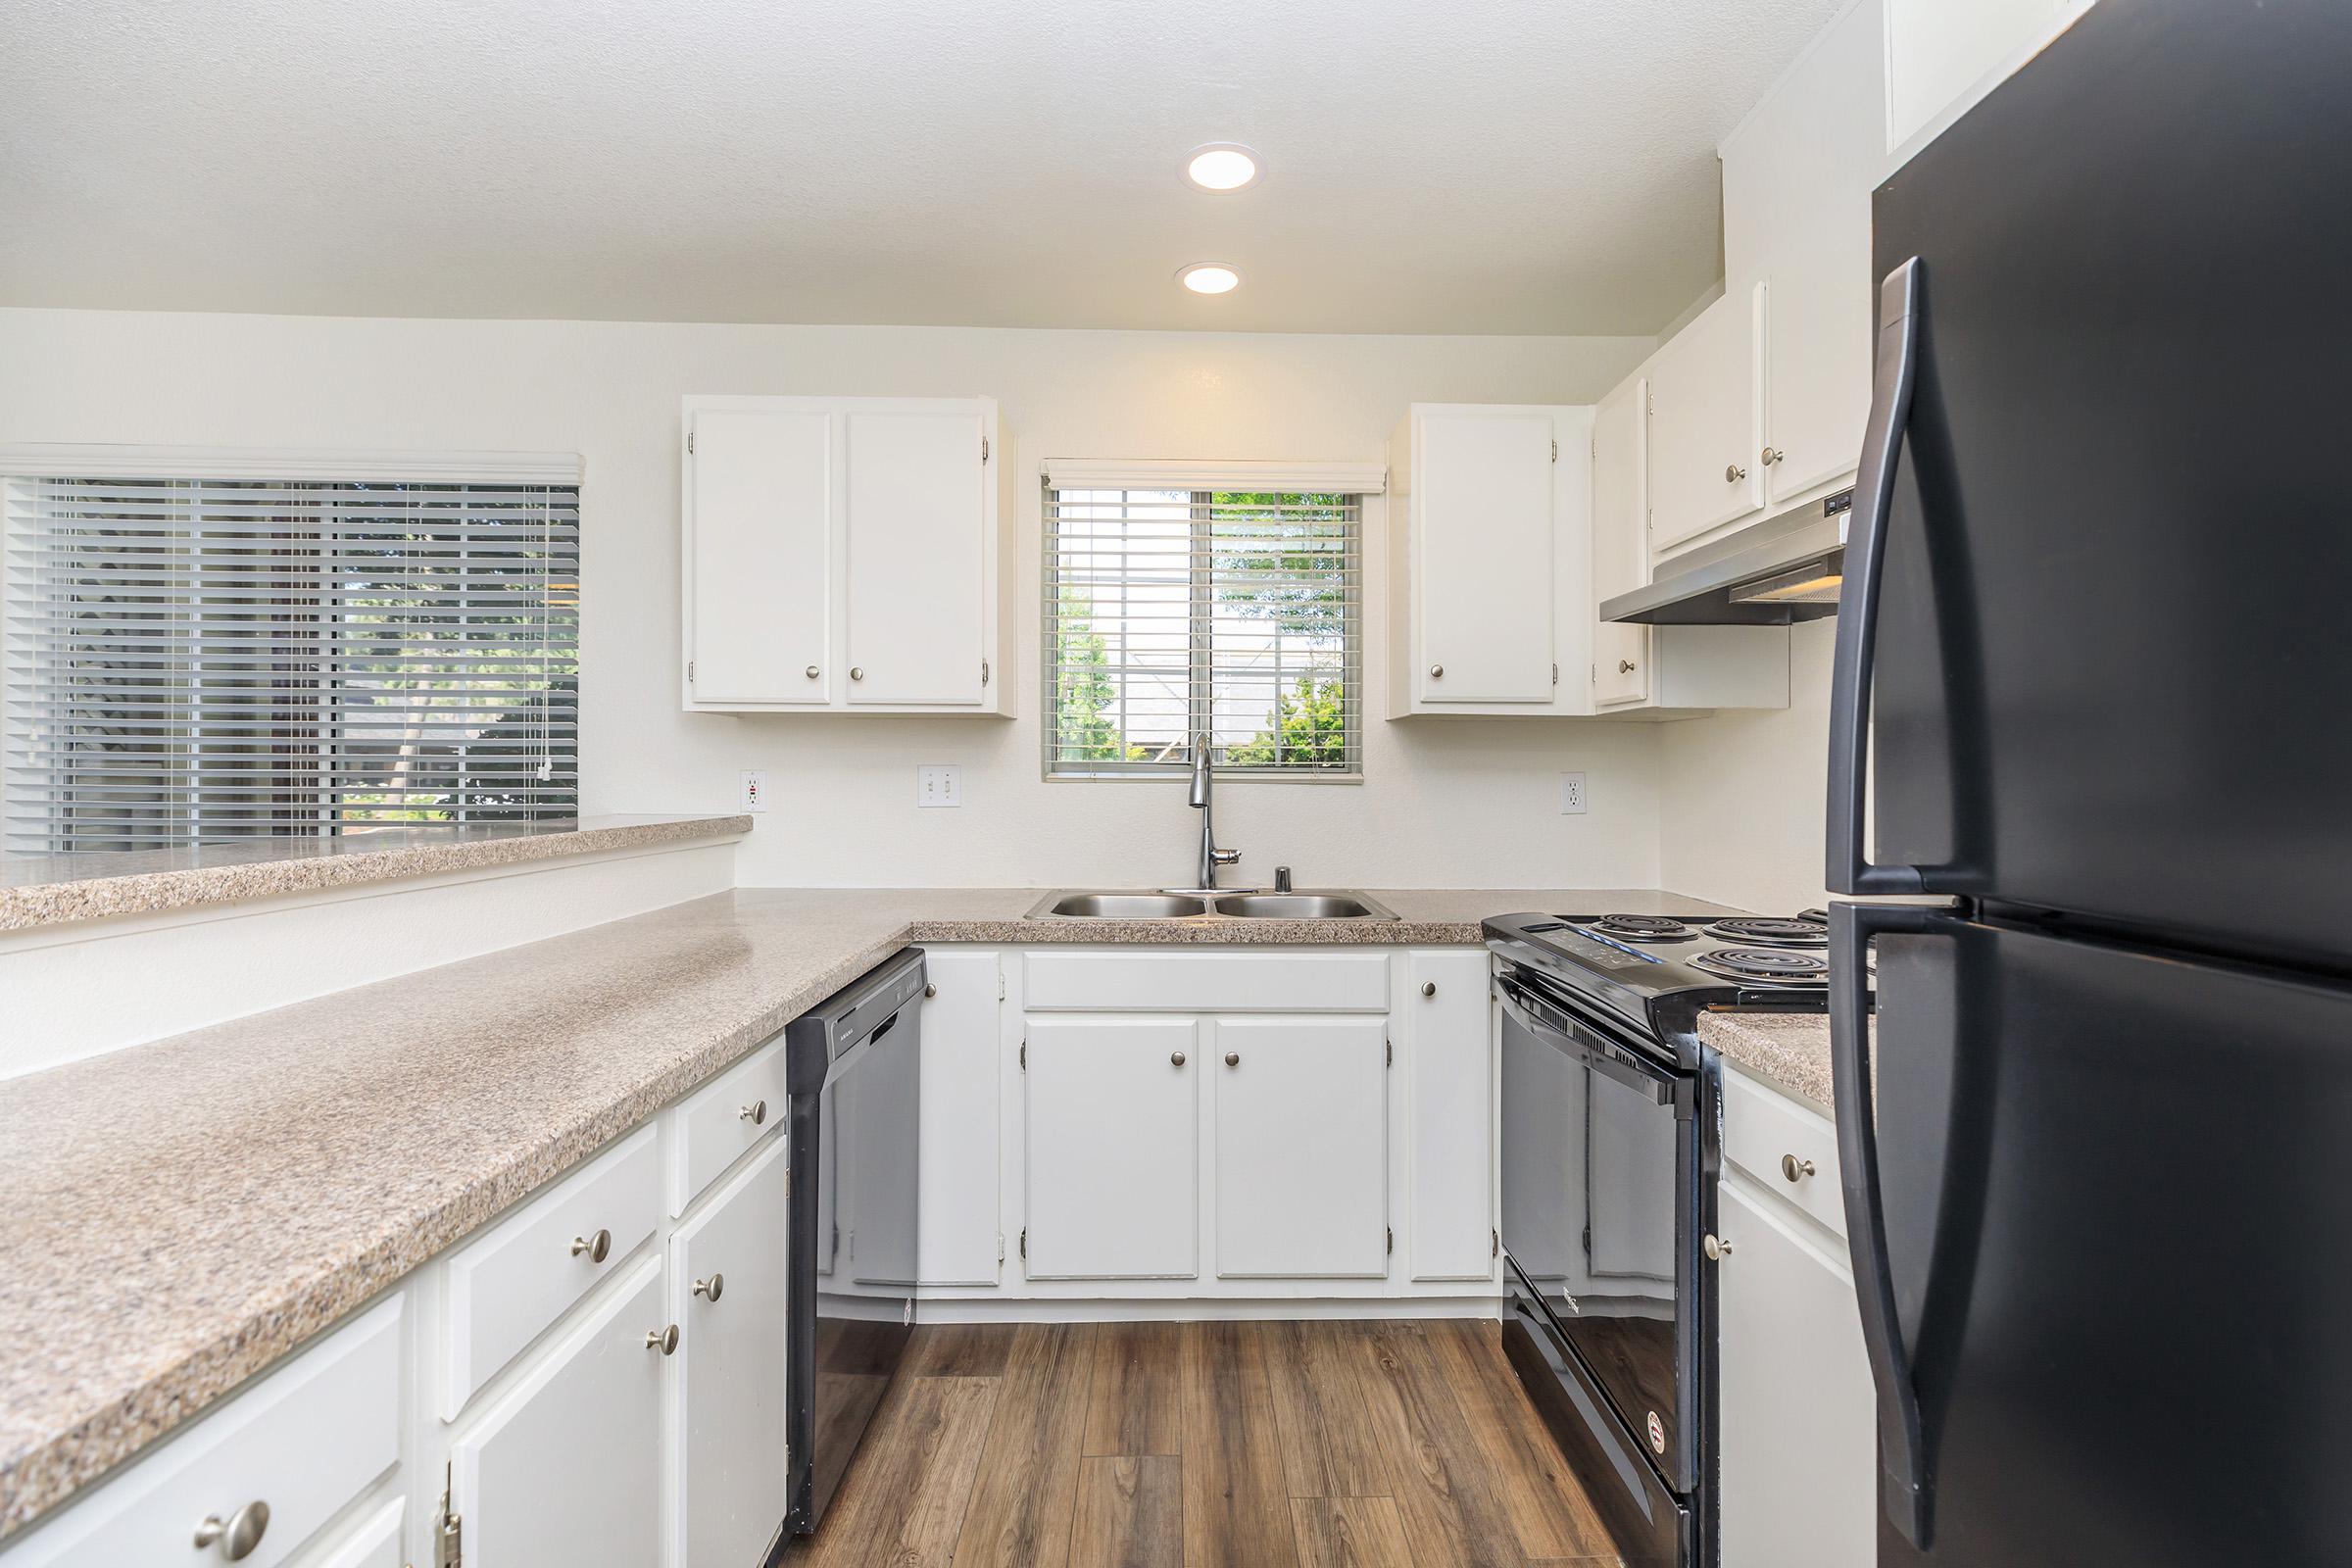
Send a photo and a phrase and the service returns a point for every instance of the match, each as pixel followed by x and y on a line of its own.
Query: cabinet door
pixel 1442 1037
pixel 1114 1140
pixel 1302 1161
pixel 762 496
pixel 1796 186
pixel 918 558
pixel 566 1467
pixel 1620 542
pixel 727 1297
pixel 1482 510
pixel 1703 470
pixel 1799 1413
pixel 958 1234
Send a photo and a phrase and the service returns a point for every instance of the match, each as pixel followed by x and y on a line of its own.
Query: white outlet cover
pixel 1572 794
pixel 938 784
pixel 754 795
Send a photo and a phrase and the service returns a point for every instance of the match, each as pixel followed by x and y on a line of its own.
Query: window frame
pixel 1360 487
pixel 31 463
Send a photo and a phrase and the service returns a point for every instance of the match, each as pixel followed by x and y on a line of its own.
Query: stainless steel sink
pixel 1236 905
pixel 1302 907
pixel 1122 905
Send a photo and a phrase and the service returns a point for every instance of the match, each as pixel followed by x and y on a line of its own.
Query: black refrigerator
pixel 2096 1143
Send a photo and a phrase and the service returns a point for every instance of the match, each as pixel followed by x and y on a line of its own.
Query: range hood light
pixel 1814 584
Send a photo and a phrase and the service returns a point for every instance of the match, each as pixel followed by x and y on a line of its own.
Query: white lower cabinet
pixel 1797 1413
pixel 1114 1141
pixel 1301 1146
pixel 726 1284
pixel 960 1237
pixel 1448 1046
pixel 565 1466
pixel 372 1541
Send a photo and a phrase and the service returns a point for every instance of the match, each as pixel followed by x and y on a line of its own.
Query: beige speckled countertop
pixel 44 890
pixel 177 1216
pixel 1790 1049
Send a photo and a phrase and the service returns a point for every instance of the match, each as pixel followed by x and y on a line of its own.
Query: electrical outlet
pixel 1572 794
pixel 938 784
pixel 755 790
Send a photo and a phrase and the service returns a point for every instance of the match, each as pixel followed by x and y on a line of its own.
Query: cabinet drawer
pixel 718 1124
pixel 304 1441
pixel 506 1287
pixel 1206 981
pixel 1763 1128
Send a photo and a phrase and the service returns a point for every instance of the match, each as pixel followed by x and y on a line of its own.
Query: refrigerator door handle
pixel 1904 1488
pixel 1892 379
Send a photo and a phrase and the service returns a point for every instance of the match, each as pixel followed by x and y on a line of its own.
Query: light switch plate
pixel 1572 794
pixel 938 784
pixel 755 790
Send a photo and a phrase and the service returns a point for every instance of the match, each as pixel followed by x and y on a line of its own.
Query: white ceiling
pixel 1517 166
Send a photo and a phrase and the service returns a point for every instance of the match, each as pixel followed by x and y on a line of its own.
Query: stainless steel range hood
pixel 1769 574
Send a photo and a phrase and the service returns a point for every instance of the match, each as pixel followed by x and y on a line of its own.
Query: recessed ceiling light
pixel 1221 165
pixel 1209 277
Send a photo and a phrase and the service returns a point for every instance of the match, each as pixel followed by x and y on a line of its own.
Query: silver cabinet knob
pixel 710 1287
pixel 857 672
pixel 929 992
pixel 1624 666
pixel 1732 473
pixel 240 1534
pixel 756 1112
pixel 663 1340
pixel 1233 1059
pixel 1429 988
pixel 1175 1058
pixel 1436 673
pixel 1716 1249
pixel 1795 1170
pixel 598 1246
pixel 811 672
pixel 1773 455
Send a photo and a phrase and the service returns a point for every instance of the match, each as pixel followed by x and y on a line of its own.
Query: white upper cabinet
pixel 1943 54
pixel 1619 541
pixel 1797 177
pixel 1703 396
pixel 762 487
pixel 843 554
pixel 1489 559
pixel 919 552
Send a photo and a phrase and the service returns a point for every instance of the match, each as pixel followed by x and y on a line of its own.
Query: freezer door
pixel 2115 627
pixel 2114 1213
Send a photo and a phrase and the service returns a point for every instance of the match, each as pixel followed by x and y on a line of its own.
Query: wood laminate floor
pixel 1389 1445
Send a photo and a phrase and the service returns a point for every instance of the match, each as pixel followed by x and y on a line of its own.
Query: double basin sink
pixel 1211 905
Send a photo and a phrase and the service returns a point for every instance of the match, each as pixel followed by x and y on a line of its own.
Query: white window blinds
pixel 192 660
pixel 1170 613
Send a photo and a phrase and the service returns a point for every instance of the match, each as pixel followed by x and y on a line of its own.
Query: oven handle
pixel 1567 1038
pixel 1904 1486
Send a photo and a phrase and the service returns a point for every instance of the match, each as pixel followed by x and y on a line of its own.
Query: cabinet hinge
pixel 449 1531
pixel 1555 452
pixel 1000 1247
pixel 1596 669
pixel 984 672
pixel 1495 1244
pixel 1024 1056
pixel 984 449
pixel 690 443
pixel 1024 1244
pixel 1392 1238
pixel 1555 672
pixel 1000 983
pixel 1389 1056
pixel 690 672
pixel 788 1176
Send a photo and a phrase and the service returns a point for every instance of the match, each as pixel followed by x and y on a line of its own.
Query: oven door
pixel 1600 1156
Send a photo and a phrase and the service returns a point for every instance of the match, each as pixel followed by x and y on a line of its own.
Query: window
pixel 1170 611
pixel 191 660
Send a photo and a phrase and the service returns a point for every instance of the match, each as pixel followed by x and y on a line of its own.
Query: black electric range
pixel 1610 1144
pixel 1652 975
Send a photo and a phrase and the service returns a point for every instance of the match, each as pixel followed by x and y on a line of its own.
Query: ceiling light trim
pixel 1186 273
pixel 1184 166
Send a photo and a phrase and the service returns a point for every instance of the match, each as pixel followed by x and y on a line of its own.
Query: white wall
pixel 1445 803
pixel 1742 794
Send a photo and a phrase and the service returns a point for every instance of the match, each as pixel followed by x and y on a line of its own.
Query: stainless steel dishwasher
pixel 853 1068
